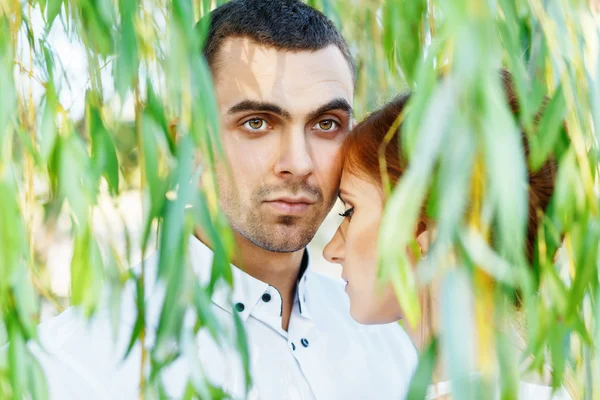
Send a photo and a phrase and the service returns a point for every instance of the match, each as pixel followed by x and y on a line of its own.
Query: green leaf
pixel 586 267
pixel 559 341
pixel 52 11
pixel 87 272
pixel 12 236
pixel 206 316
pixel 549 129
pixel 38 386
pixel 402 34
pixel 173 245
pixel 509 367
pixel 422 377
pixel 506 174
pixel 27 304
pixel 456 332
pixel 74 183
pixel 8 98
pixel 140 322
pixel 127 63
pixel 17 358
pixel 407 200
pixel 242 347
pixel 155 109
pixel 104 155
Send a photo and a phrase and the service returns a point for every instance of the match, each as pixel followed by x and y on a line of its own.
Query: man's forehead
pixel 247 70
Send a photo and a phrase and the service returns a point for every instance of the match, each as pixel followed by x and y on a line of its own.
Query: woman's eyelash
pixel 347 213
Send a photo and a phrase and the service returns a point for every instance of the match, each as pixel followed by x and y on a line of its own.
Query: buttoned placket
pixel 303 337
pixel 268 310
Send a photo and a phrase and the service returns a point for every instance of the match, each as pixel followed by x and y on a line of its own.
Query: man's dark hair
pixel 281 24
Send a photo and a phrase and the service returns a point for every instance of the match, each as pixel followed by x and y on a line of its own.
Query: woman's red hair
pixel 362 158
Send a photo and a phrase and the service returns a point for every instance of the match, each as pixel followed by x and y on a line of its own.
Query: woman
pixel 354 245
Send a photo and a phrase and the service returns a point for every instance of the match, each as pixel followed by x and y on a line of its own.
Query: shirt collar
pixel 247 291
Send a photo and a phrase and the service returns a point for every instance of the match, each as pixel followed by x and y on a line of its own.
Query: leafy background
pixel 104 104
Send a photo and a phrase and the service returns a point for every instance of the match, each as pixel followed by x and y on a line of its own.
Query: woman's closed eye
pixel 348 213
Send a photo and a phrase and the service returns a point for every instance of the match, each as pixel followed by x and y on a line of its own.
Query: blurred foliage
pixel 460 137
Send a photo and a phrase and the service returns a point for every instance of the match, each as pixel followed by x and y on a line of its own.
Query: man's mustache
pixel 303 188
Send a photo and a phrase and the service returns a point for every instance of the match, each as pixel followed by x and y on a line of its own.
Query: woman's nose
pixel 334 251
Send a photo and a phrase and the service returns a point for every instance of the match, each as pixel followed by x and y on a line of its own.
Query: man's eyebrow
pixel 251 105
pixel 335 104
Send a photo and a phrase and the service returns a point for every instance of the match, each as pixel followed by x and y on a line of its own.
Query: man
pixel 284 81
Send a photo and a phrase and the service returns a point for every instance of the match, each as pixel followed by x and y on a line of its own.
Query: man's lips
pixel 290 205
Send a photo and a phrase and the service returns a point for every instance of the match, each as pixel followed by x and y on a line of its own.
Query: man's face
pixel 284 116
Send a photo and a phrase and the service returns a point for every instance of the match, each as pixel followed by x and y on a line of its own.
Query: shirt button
pixel 304 342
pixel 239 307
pixel 293 347
pixel 266 297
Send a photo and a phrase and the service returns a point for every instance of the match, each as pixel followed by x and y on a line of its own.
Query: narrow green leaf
pixel 52 11
pixel 549 129
pixel 457 330
pixel 104 155
pixel 422 377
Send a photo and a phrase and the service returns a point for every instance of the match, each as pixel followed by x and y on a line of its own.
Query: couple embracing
pixel 284 80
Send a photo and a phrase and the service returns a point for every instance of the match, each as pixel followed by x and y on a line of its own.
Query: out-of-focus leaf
pixel 171 264
pixel 26 303
pixel 17 358
pixel 48 129
pixel 548 130
pixel 485 258
pixel 506 174
pixel 12 235
pixel 509 368
pixel 423 375
pixel 244 351
pixel 104 155
pixel 140 322
pixel 406 202
pixel 8 98
pixel 402 34
pixel 74 183
pixel 127 62
pixel 569 194
pixel 52 11
pixel 559 350
pixel 87 272
pixel 586 267
pixel 454 179
pixel 155 109
pixel 38 387
pixel 205 315
pixel 457 332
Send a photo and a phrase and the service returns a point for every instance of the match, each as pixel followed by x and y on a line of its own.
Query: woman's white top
pixel 527 391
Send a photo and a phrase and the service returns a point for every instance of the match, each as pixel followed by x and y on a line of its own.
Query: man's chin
pixel 282 238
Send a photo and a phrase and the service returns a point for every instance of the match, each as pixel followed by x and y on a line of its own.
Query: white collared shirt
pixel 323 355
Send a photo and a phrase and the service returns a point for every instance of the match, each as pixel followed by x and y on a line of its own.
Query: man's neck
pixel 279 270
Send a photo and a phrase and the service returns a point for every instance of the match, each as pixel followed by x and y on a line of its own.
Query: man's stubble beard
pixel 284 234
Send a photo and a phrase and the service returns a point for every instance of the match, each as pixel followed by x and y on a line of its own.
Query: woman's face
pixel 354 247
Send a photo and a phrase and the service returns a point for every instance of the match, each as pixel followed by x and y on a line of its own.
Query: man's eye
pixel 256 124
pixel 327 125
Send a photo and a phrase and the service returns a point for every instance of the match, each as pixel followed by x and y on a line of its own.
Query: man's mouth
pixel 290 205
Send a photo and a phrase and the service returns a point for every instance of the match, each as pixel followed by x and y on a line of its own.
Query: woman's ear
pixel 423 235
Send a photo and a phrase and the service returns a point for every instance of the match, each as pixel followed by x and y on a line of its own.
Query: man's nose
pixel 295 157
